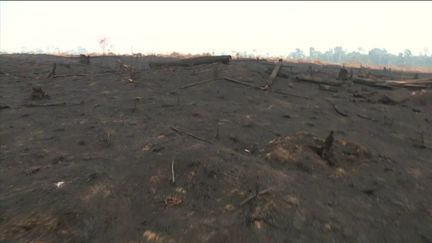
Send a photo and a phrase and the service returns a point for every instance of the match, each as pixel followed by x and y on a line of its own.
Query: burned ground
pixel 89 155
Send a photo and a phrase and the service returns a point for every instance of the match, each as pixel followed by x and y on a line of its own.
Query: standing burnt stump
pixel 38 94
pixel 343 74
pixel 83 59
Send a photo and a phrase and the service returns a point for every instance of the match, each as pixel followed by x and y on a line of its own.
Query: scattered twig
pixel 107 138
pixel 255 195
pixel 172 172
pixel 196 83
pixel 365 117
pixel 190 135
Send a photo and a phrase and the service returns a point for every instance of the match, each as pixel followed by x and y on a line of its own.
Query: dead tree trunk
pixel 273 74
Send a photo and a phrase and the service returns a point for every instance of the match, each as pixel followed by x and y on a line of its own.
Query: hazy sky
pixel 196 27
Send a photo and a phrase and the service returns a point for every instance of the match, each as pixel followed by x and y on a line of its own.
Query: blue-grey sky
pixel 195 27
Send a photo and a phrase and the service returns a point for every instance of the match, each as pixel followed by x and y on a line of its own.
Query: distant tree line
pixel 375 56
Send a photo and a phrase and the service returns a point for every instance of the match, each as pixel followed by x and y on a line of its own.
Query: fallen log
pixel 413 86
pixel 412 81
pixel 318 81
pixel 51 104
pixel 263 88
pixel 372 83
pixel 192 61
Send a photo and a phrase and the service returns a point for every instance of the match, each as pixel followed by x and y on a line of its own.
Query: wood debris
pixel 38 93
pixel 52 74
pixel 192 61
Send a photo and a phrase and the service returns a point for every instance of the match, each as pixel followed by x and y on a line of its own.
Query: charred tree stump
pixel 343 74
pixel 325 150
pixel 83 59
pixel 38 94
pixel 52 74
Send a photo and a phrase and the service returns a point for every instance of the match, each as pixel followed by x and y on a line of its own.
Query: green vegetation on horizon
pixel 375 56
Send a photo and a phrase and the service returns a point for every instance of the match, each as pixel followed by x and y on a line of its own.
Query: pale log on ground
pixel 318 81
pixel 388 84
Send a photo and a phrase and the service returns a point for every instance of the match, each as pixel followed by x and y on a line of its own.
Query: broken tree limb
pixel 337 110
pixel 273 75
pixel 366 117
pixel 71 75
pixel 263 88
pixel 318 81
pixel 52 74
pixel 43 105
pixel 172 172
pixel 196 83
pixel 240 82
pixel 50 104
pixel 190 135
pixel 248 199
pixel 192 61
